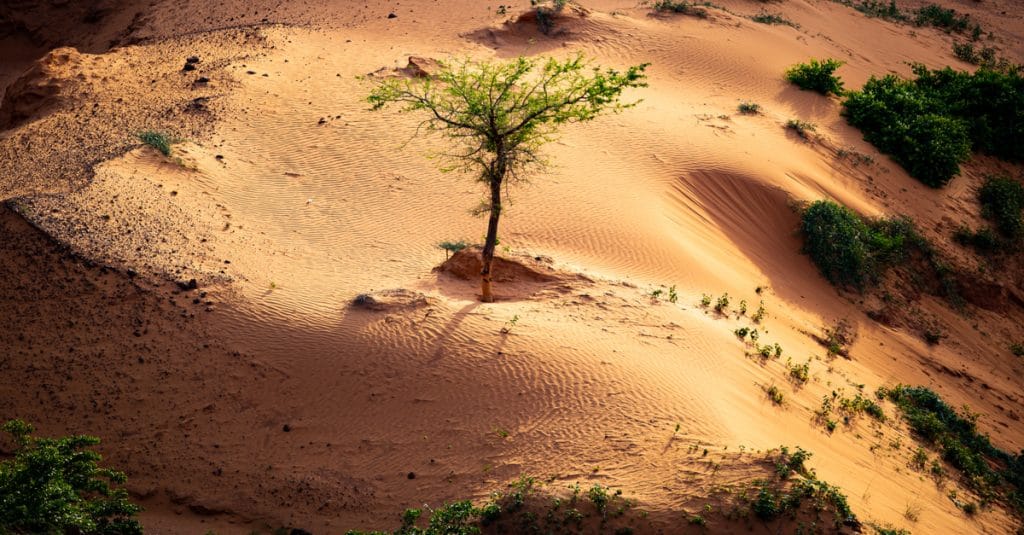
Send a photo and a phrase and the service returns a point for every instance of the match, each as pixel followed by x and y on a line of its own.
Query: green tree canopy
pixel 55 485
pixel 497 116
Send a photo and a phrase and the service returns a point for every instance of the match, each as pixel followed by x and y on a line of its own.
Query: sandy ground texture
pixel 195 311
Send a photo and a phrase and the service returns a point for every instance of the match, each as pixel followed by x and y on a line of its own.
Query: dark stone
pixel 392 16
pixel 192 59
pixel 191 284
pixel 202 80
pixel 286 428
pixel 411 475
pixel 189 67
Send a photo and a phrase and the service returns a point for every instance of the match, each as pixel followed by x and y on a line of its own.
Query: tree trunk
pixel 487 256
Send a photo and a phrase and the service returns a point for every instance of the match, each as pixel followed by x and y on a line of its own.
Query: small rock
pixel 189 67
pixel 286 428
pixel 191 284
pixel 192 59
pixel 202 80
pixel 392 16
pixel 411 475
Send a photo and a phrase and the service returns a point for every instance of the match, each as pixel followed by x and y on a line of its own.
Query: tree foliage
pixel 57 486
pixel 497 115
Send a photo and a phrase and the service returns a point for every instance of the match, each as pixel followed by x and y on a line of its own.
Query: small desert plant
pixel 800 373
pixel 749 108
pixel 159 141
pixel 760 314
pixel 817 76
pixel 1017 349
pixel 722 305
pixel 802 128
pixel 452 247
pixel 774 394
pixel 673 296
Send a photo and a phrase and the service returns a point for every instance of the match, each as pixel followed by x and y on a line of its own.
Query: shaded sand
pixel 262 397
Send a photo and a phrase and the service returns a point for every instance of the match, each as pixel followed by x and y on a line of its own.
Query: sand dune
pixel 260 396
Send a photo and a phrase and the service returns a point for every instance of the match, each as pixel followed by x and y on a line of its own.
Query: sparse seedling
pixel 775 394
pixel 705 300
pixel 510 324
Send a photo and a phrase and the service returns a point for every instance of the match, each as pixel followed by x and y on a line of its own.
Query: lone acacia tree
pixel 499 114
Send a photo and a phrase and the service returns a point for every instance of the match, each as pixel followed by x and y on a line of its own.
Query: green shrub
pixel 929 125
pixel 681 7
pixel 57 486
pixel 159 141
pixel 837 241
pixel 894 116
pixel 817 76
pixel 1002 200
pixel 946 19
pixel 773 18
pixel 854 252
pixel 879 9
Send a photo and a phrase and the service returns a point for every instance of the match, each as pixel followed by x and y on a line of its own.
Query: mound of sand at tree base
pixel 466 264
pixel 263 398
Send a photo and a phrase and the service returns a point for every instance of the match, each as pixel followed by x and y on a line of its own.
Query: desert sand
pixel 258 396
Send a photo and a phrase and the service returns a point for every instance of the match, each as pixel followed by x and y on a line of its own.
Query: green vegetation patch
pixel 817 76
pixel 945 18
pixel 849 250
pixel 773 500
pixel 682 7
pixel 991 472
pixel 1002 200
pixel 158 140
pixel 929 125
pixel 55 485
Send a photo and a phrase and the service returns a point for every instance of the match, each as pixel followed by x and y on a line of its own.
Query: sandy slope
pixel 290 199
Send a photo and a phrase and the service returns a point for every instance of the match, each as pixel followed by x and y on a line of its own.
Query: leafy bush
pixel 879 9
pixel 1002 200
pixel 817 76
pixel 837 241
pixel 773 18
pixel 851 251
pixel 681 7
pixel 929 125
pixel 56 486
pixel 159 141
pixel 946 19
